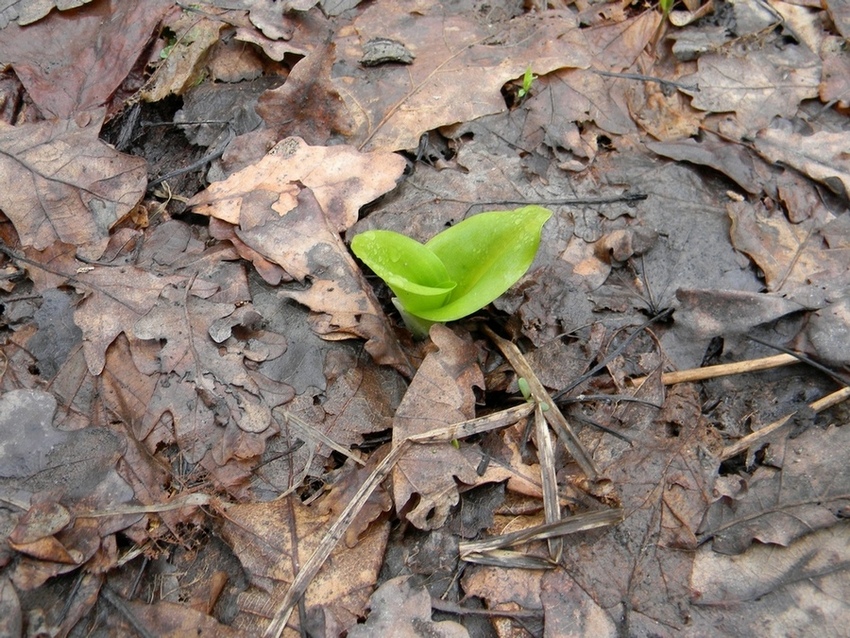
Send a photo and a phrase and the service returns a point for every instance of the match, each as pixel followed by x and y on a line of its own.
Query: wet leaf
pixel 805 490
pixel 402 609
pixel 58 181
pixel 440 394
pixel 73 61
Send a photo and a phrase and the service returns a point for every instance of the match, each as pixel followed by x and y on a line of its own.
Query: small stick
pixel 709 372
pixel 553 415
pixel 756 437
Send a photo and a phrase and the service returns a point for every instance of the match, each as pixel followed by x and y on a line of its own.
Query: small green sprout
pixel 527 79
pixel 525 389
pixel 666 6
pixel 457 272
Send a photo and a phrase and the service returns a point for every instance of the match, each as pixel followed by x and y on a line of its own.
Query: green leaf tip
pixel 460 270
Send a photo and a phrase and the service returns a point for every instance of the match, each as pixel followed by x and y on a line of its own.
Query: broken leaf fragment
pixel 461 269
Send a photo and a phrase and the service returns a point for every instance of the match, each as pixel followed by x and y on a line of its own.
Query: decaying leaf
pixel 821 155
pixel 460 65
pixel 273 539
pixel 58 181
pixel 282 220
pixel 402 609
pixel 73 61
pixel 804 491
pixel 756 84
pixel 440 394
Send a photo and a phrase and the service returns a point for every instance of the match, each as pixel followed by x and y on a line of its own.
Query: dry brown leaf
pixel 401 609
pixel 171 620
pixel 74 61
pixel 440 395
pixel 281 219
pixel 308 89
pixel 116 299
pixel 791 256
pixel 822 155
pixel 26 12
pixel 460 66
pixel 341 178
pixel 576 95
pixel 11 618
pixel 619 44
pixel 272 539
pixel 183 63
pixel 757 85
pixel 58 181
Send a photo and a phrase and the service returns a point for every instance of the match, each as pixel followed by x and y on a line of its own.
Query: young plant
pixel 527 80
pixel 457 272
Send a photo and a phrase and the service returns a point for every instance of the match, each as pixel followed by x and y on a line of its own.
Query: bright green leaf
pixel 485 255
pixel 460 270
pixel 415 274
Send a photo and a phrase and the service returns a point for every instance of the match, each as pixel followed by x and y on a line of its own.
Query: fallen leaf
pixel 735 161
pixel 756 84
pixel 11 618
pixel 822 155
pixel 273 539
pixel 792 257
pixel 804 491
pixel 341 178
pixel 28 11
pixel 440 395
pixel 764 590
pixel 58 181
pixel 182 65
pixel 73 61
pixel 401 608
pixel 662 479
pixel 282 220
pixel 308 89
pixel 460 67
pixel 172 620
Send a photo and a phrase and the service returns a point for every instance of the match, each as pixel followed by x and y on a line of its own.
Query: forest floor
pixel 214 422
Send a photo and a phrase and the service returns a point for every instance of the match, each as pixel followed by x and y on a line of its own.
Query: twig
pixel 121 605
pixel 337 530
pixel 214 154
pixel 570 525
pixel 453 608
pixel 710 372
pixel 553 415
pixel 647 78
pixel 546 457
pixel 757 437
pixel 315 436
pixel 612 355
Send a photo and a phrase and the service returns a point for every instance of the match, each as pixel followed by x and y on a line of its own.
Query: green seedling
pixel 527 79
pixel 457 272
pixel 525 389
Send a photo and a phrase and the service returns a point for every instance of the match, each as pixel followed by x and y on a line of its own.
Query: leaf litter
pixel 213 421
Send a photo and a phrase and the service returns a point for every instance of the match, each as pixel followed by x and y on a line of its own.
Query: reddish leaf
pixel 58 181
pixel 73 61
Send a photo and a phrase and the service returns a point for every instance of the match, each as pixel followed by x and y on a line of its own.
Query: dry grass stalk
pixel 710 372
